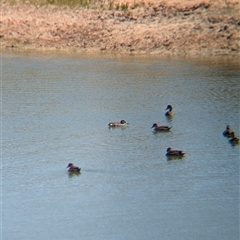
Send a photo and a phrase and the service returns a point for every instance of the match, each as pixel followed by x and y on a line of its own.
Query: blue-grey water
pixel 55 110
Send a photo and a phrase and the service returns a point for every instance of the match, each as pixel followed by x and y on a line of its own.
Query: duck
pixel 234 139
pixel 122 123
pixel 169 113
pixel 171 152
pixel 73 169
pixel 228 131
pixel 160 128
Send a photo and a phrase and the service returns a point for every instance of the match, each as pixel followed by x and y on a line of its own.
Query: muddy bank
pixel 194 28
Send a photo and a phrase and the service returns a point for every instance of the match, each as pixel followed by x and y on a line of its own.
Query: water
pixel 55 110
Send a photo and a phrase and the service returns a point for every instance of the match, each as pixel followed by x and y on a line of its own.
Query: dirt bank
pixel 190 27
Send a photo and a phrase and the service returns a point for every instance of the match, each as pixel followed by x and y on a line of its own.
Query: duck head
pixel 123 122
pixel 228 127
pixel 169 107
pixel 154 125
pixel 169 149
pixel 69 165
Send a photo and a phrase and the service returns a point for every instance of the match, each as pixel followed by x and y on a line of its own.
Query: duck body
pixel 176 153
pixel 122 123
pixel 234 139
pixel 228 132
pixel 160 128
pixel 73 169
pixel 169 113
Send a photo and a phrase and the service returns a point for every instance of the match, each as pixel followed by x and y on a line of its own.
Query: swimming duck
pixel 228 131
pixel 171 152
pixel 73 169
pixel 234 139
pixel 169 113
pixel 160 128
pixel 122 123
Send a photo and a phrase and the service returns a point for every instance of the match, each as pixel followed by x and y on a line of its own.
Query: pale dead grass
pixel 131 3
pixel 196 27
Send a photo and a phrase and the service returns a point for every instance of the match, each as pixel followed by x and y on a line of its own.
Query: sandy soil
pixel 178 27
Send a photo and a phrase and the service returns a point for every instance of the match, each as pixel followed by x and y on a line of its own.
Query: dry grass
pixel 196 27
pixel 113 4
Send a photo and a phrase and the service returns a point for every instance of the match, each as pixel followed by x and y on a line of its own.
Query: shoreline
pixel 196 29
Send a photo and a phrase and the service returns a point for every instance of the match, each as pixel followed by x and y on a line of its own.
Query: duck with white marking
pixel 122 123
pixel 73 169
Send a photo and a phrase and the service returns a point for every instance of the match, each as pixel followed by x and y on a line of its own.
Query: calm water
pixel 55 110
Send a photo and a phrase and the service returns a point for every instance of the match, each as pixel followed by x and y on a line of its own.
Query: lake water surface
pixel 55 110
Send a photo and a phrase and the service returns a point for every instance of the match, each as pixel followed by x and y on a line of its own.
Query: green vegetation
pixel 69 3
pixel 95 4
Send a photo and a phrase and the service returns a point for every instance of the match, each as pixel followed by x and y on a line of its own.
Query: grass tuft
pixel 94 4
